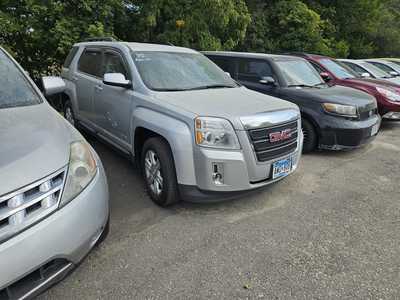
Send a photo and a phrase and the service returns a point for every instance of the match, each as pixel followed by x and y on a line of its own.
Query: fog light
pixel 218 173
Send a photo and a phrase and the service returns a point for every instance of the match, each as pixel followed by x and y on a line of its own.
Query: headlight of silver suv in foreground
pixel 82 169
pixel 215 133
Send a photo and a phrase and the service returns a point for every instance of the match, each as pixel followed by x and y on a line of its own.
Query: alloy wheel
pixel 153 174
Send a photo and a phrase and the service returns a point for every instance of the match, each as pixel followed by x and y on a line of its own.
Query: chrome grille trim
pixel 24 207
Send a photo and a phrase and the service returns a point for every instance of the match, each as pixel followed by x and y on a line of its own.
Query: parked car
pixel 393 60
pixel 367 70
pixel 195 132
pixel 386 93
pixel 333 117
pixel 53 191
pixel 387 66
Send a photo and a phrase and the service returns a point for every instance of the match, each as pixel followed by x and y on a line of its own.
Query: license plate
pixel 281 168
pixel 375 129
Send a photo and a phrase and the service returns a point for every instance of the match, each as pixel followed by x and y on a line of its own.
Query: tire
pixel 69 113
pixel 159 173
pixel 310 136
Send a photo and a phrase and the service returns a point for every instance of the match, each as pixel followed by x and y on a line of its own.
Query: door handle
pixel 98 88
pixel 74 78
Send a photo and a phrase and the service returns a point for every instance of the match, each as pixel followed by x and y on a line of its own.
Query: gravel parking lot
pixel 329 231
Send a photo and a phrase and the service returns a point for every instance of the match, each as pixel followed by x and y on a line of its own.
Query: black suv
pixel 333 117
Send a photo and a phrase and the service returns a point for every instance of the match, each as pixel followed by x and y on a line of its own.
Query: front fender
pixel 179 136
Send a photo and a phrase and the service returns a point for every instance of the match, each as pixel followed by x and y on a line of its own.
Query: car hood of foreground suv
pixel 227 103
pixel 35 142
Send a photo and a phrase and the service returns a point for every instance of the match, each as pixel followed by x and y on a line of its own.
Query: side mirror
pixel 393 73
pixel 325 76
pixel 267 80
pixel 116 79
pixel 365 75
pixel 53 85
pixel 229 74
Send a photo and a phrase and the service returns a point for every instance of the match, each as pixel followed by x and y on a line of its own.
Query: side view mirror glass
pixel 393 73
pixel 53 85
pixel 267 80
pixel 365 75
pixel 229 74
pixel 116 79
pixel 325 76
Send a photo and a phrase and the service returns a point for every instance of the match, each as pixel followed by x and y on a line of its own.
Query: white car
pixel 368 70
pixel 53 192
pixel 387 66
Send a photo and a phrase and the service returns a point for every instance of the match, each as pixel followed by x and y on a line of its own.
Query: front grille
pixel 25 207
pixel 36 281
pixel 266 149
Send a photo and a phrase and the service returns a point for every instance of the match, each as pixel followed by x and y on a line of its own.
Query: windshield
pixel 15 89
pixel 173 71
pixel 375 71
pixel 339 70
pixel 299 73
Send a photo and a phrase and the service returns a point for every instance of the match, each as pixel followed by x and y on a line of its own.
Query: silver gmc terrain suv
pixel 196 133
pixel 53 190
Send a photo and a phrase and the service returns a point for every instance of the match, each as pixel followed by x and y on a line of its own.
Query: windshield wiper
pixel 210 86
pixel 301 85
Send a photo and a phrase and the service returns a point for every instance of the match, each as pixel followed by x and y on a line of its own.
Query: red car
pixel 333 72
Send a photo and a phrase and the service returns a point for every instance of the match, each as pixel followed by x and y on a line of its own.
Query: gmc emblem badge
pixel 278 136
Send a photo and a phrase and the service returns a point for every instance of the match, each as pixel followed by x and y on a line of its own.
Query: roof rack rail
pixel 101 39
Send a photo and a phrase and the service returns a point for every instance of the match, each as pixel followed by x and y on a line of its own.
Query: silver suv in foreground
pixel 196 133
pixel 53 190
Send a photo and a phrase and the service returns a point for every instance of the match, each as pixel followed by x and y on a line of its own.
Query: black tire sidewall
pixel 311 143
pixel 169 194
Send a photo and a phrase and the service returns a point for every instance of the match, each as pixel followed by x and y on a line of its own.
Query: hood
pixel 371 82
pixel 227 103
pixel 34 143
pixel 334 94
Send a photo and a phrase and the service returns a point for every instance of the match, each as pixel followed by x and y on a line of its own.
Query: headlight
pixel 391 95
pixel 81 170
pixel 342 110
pixel 215 133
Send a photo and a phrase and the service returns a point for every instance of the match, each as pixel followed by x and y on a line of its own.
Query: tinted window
pixel 113 63
pixel 299 72
pixel 388 67
pixel 90 63
pixel 356 68
pixel 174 71
pixel 15 88
pixel 340 71
pixel 70 57
pixel 253 70
pixel 378 73
pixel 226 64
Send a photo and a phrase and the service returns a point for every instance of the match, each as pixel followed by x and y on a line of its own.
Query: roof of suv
pixel 249 55
pixel 139 46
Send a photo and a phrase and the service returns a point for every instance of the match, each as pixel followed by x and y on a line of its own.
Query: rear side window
pixel 90 62
pixel 253 70
pixel 70 57
pixel 226 64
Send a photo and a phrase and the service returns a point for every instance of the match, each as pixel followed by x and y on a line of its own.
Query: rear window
pixel 70 57
pixel 90 62
pixel 16 90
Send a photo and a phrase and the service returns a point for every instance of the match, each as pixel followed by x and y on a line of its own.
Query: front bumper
pixel 340 134
pixel 56 244
pixel 241 171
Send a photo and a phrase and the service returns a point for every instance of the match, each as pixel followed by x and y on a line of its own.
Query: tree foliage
pixel 40 33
